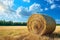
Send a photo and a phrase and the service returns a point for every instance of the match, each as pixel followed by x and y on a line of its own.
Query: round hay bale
pixel 41 24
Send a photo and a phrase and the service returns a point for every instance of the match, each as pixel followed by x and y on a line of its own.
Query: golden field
pixel 22 33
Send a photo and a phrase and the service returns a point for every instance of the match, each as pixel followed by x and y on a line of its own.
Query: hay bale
pixel 41 24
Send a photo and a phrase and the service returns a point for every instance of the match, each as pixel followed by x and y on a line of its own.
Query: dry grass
pixel 22 33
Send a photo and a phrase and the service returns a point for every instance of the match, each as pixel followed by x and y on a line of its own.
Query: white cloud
pixel 22 11
pixel 6 12
pixel 2 8
pixel 26 1
pixel 53 6
pixel 34 8
pixel 41 10
pixel 7 2
pixel 46 8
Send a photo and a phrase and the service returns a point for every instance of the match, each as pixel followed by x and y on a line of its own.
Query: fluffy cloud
pixel 46 8
pixel 22 11
pixel 7 2
pixel 2 8
pixel 34 8
pixel 53 6
pixel 6 12
pixel 26 1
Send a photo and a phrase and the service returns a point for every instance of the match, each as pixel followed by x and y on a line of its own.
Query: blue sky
pixel 20 10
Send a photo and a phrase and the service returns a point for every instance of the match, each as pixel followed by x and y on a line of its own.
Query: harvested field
pixel 22 33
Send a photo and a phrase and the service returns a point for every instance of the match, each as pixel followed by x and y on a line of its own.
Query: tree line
pixel 11 23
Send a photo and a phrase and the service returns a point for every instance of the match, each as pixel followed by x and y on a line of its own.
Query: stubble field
pixel 22 33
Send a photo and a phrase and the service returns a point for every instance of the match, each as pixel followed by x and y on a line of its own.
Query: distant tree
pixel 11 23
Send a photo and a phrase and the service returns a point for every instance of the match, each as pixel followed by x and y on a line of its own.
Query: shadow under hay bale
pixel 53 36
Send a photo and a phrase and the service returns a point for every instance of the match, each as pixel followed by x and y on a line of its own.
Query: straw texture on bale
pixel 41 24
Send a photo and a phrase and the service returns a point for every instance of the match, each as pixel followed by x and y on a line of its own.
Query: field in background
pixel 22 33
